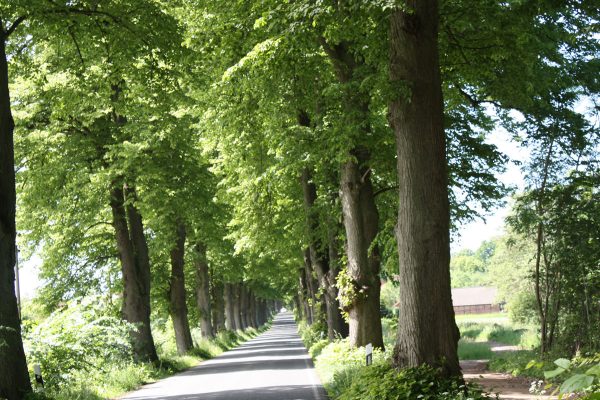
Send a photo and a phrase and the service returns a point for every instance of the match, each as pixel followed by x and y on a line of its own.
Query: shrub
pixel 382 382
pixel 338 356
pixel 518 363
pixel 311 334
pixel 79 337
pixel 580 375
pixel 317 348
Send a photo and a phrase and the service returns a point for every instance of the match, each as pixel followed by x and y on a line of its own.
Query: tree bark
pixel 177 296
pixel 252 309
pixel 304 297
pixel 361 221
pixel 359 211
pixel 312 288
pixel 244 306
pixel 237 306
pixel 14 377
pixel 203 291
pixel 427 332
pixel 135 268
pixel 218 309
pixel 229 296
pixel 319 256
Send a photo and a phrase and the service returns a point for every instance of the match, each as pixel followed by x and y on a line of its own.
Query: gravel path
pixel 507 386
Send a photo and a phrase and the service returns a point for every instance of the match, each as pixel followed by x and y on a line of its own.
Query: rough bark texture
pixel 237 306
pixel 319 256
pixel 360 214
pixel 427 332
pixel 14 377
pixel 218 306
pixel 203 291
pixel 361 223
pixel 304 297
pixel 177 296
pixel 312 287
pixel 252 314
pixel 244 306
pixel 135 267
pixel 229 297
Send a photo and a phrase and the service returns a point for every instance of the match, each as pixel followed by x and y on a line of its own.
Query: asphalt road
pixel 272 366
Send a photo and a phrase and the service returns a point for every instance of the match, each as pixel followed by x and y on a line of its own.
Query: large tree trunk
pixel 135 267
pixel 203 290
pixel 427 332
pixel 319 256
pixel 312 287
pixel 361 222
pixel 244 306
pixel 218 303
pixel 360 214
pixel 252 309
pixel 304 297
pixel 340 325
pixel 229 295
pixel 178 306
pixel 14 377
pixel 237 306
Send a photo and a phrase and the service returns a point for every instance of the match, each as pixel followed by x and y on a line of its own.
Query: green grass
pixel 468 350
pixel 498 318
pixel 112 380
pixel 515 363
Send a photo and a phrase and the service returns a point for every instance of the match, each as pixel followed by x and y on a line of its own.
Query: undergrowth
pixel 85 355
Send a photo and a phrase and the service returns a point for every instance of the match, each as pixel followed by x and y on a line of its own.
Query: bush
pixel 382 382
pixel 518 363
pixel 79 337
pixel 317 348
pixel 311 334
pixel 339 356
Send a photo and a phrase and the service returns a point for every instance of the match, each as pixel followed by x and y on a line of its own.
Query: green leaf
pixel 595 370
pixel 576 383
pixel 553 373
pixel 563 363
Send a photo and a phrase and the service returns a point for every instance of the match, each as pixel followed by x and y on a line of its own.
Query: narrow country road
pixel 272 366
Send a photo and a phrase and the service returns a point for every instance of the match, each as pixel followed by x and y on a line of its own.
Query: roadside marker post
pixel 37 371
pixel 369 351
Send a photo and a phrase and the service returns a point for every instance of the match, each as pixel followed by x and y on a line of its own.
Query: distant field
pixel 480 331
pixel 495 318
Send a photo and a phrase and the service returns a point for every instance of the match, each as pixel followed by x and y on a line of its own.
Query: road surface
pixel 272 366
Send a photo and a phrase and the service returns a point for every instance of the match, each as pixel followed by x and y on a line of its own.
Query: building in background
pixel 475 300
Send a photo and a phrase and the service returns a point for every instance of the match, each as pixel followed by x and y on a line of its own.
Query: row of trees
pixel 304 148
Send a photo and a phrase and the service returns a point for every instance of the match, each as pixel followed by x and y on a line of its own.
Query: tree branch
pixel 387 189
pixel 14 25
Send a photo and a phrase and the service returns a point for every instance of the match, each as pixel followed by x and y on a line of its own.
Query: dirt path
pixel 506 385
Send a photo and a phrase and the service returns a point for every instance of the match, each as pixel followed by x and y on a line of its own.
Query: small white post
pixel 37 371
pixel 369 351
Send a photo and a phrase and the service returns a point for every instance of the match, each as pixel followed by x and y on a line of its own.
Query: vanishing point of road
pixel 273 366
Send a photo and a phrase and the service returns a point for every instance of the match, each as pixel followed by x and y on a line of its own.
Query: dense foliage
pixel 196 163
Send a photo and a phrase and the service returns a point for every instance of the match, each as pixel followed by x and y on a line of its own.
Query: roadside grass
pixel 111 380
pixel 468 350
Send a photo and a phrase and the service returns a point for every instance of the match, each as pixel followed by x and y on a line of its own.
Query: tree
pixel 14 377
pixel 427 332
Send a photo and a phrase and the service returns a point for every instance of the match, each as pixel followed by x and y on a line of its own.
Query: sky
pixel 470 235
